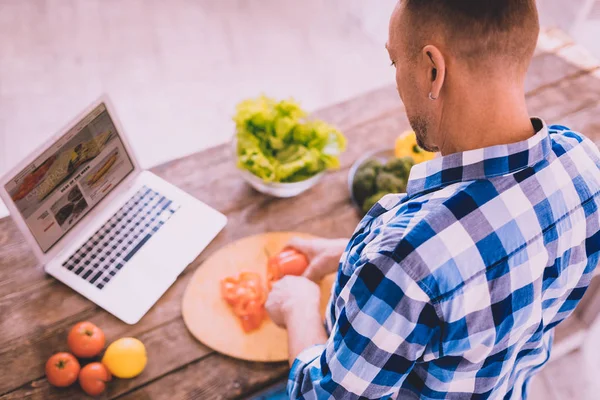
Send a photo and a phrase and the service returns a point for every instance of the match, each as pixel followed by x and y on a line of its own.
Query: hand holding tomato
pixel 93 378
pixel 62 369
pixel 293 296
pixel 86 340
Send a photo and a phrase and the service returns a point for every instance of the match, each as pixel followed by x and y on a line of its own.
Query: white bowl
pixel 276 189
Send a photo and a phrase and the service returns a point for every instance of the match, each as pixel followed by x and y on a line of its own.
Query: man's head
pixel 445 49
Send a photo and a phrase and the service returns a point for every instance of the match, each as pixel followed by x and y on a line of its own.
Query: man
pixel 453 290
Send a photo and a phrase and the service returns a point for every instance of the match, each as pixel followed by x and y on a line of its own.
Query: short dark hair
pixel 477 29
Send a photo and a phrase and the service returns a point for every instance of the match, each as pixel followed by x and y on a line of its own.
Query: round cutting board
pixel 209 318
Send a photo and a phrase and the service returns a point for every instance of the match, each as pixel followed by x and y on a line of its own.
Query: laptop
pixel 115 233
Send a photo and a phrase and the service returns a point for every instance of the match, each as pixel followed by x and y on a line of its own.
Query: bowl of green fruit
pixel 279 150
pixel 377 174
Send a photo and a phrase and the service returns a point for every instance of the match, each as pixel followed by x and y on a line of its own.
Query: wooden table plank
pixel 215 377
pixel 369 122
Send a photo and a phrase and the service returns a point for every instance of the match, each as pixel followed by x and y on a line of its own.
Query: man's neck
pixel 484 119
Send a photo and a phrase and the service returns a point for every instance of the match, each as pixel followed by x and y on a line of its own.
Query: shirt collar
pixel 481 163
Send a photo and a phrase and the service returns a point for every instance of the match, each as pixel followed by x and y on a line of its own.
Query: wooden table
pixel 36 311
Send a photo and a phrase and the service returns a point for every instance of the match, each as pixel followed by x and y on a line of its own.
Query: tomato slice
pixel 252 322
pixel 229 288
pixel 254 285
pixel 241 308
pixel 247 307
pixel 246 295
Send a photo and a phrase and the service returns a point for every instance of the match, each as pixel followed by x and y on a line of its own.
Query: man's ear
pixel 436 69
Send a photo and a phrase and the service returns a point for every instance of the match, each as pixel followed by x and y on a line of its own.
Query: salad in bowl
pixel 280 150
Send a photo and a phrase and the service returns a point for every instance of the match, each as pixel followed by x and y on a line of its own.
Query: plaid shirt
pixel 452 291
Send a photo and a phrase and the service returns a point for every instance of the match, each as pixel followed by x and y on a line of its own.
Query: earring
pixel 431 97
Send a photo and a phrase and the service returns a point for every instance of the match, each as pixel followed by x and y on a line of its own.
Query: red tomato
pixel 62 369
pixel 247 287
pixel 86 340
pixel 288 262
pixel 246 295
pixel 93 378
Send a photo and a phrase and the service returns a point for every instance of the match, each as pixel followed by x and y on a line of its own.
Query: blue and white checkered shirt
pixel 452 291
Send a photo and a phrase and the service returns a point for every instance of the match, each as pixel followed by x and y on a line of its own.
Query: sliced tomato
pixel 252 282
pixel 240 308
pixel 246 295
pixel 252 321
pixel 241 292
pixel 229 287
pixel 256 291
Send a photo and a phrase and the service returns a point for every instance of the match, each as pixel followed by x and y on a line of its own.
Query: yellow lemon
pixel 125 357
pixel 406 145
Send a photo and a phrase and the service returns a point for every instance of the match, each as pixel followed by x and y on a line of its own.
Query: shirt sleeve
pixel 385 326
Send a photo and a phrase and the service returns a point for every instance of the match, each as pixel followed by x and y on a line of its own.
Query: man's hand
pixel 294 304
pixel 292 297
pixel 323 255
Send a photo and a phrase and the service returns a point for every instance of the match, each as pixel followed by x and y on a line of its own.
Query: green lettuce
pixel 277 143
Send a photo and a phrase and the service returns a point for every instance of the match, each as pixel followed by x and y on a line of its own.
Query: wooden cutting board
pixel 210 319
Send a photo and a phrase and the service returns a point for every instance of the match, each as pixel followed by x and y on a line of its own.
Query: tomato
pixel 62 369
pixel 288 262
pixel 246 295
pixel 86 340
pixel 93 378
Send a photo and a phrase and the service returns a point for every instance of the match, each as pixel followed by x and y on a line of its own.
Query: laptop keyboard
pixel 109 249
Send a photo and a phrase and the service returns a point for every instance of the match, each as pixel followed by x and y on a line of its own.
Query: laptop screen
pixel 69 178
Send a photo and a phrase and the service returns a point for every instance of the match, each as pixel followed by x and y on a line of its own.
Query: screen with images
pixel 55 191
